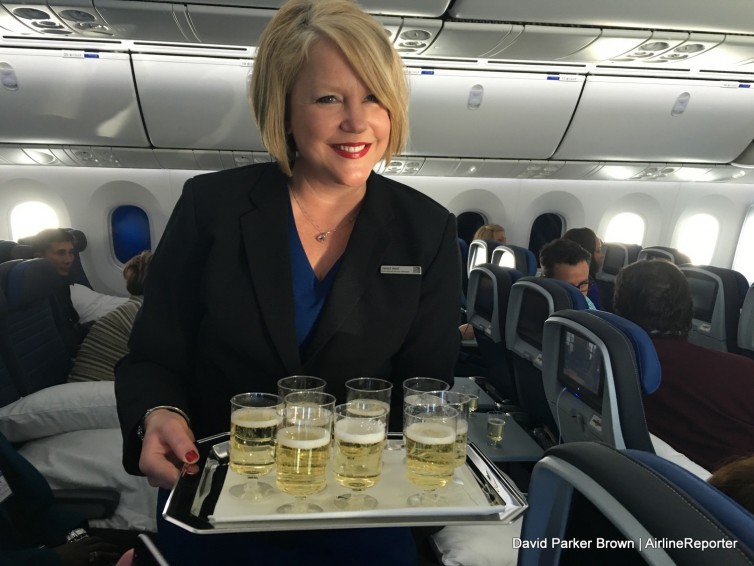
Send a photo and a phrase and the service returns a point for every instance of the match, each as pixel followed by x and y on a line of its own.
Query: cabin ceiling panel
pixel 489 115
pixel 548 43
pixel 226 25
pixel 611 43
pixel 149 21
pixel 59 97
pixel 733 16
pixel 645 119
pixel 213 112
pixel 472 39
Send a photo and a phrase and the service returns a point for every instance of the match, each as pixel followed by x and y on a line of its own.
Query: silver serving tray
pixel 193 500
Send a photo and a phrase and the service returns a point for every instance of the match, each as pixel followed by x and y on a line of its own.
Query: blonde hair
pixel 135 272
pixel 488 231
pixel 283 50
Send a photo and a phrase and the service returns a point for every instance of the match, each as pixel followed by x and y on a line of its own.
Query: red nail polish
pixel 192 456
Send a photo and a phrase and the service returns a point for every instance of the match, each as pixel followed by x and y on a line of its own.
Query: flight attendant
pixel 312 264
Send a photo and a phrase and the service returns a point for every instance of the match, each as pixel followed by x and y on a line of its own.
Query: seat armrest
pixel 93 503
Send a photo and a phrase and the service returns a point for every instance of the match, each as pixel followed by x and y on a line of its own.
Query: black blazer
pixel 218 314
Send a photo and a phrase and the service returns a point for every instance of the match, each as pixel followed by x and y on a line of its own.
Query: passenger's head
pixel 135 272
pixel 491 232
pixel 655 295
pixel 284 51
pixel 587 239
pixel 566 260
pixel 736 480
pixel 56 245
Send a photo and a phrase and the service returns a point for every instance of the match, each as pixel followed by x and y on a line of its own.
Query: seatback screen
pixel 580 368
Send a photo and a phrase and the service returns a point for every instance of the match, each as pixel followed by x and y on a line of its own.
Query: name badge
pixel 5 491
pixel 401 269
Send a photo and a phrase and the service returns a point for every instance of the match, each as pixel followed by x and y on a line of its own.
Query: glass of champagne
pixel 294 383
pixel 360 429
pixel 496 427
pixel 415 386
pixel 461 402
pixel 254 419
pixel 430 432
pixel 372 389
pixel 303 448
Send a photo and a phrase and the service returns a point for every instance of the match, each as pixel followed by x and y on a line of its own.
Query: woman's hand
pixel 168 446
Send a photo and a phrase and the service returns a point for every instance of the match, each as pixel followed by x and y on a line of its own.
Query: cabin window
pixel 625 228
pixel 546 228
pixel 743 262
pixel 29 218
pixel 129 226
pixel 697 237
pixel 468 223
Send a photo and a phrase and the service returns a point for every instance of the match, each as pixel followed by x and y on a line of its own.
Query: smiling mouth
pixel 352 151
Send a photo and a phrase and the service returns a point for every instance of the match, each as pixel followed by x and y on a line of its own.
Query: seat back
pixel 746 325
pixel 489 290
pixel 37 355
pixel 480 251
pixel 718 294
pixel 6 250
pixel 615 257
pixel 532 300
pixel 517 257
pixel 463 254
pixel 8 389
pixel 595 494
pixel 663 252
pixel 596 366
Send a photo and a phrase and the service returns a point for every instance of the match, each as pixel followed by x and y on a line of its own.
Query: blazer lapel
pixel 360 263
pixel 264 230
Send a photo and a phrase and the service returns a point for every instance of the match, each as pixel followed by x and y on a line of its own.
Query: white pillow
pixel 61 408
pixel 479 545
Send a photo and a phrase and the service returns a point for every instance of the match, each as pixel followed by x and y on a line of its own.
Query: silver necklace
pixel 322 235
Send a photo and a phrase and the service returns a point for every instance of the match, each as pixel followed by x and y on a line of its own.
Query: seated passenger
pixel 34 528
pixel 82 304
pixel 587 239
pixel 491 232
pixel 107 341
pixel 736 480
pixel 566 260
pixel 703 406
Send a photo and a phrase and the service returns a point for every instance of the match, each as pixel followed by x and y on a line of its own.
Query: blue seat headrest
pixel 650 373
pixel 30 280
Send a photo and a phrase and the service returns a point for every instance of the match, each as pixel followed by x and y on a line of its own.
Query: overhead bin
pixel 196 102
pixel 660 119
pixel 228 25
pixel 148 21
pixel 51 96
pixel 503 115
pixel 732 16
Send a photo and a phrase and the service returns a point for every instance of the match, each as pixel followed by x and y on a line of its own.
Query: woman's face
pixel 340 129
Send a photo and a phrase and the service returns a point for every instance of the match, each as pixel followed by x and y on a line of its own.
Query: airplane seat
pixel 596 367
pixel 6 250
pixel 615 257
pixel 8 390
pixel 463 249
pixel 37 354
pixel 532 300
pixel 517 257
pixel 746 325
pixel 489 290
pixel 480 251
pixel 608 499
pixel 718 294
pixel 662 252
pixel 79 245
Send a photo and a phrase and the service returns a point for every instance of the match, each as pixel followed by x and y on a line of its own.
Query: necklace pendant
pixel 321 237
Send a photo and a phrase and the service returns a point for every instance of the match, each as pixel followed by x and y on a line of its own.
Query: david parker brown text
pixel 599 543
